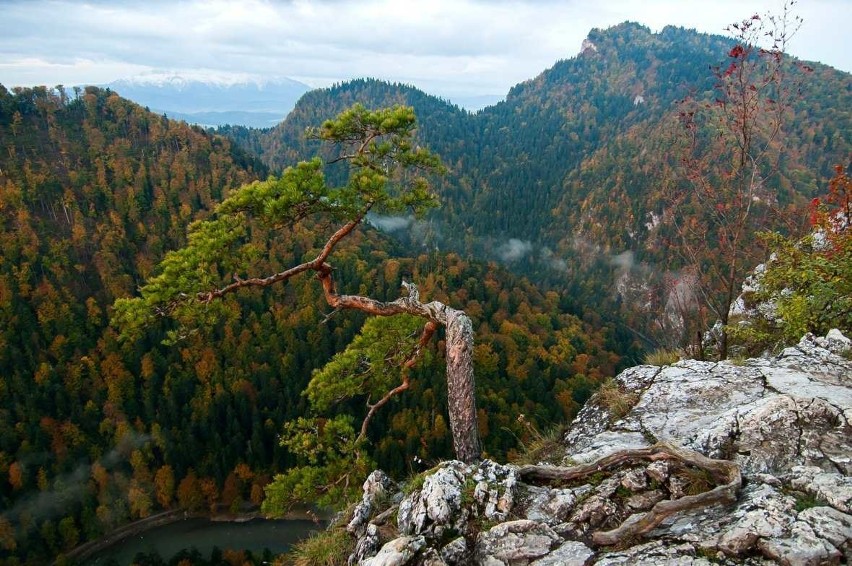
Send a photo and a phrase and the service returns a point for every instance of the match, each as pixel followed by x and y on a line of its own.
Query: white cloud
pixel 37 70
pixel 446 47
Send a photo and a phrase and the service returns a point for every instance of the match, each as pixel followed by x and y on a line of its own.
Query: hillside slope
pixel 573 179
pixel 577 160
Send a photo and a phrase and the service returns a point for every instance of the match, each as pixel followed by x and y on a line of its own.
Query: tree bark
pixel 460 386
pixel 460 379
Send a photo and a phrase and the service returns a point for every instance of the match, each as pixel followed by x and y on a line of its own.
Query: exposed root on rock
pixel 724 473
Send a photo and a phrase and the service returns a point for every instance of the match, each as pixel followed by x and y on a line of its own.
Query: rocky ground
pixel 693 463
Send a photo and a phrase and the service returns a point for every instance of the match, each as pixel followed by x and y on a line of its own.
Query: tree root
pixel 725 474
pixel 383 517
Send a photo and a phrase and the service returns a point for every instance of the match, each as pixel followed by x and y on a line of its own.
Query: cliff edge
pixel 695 463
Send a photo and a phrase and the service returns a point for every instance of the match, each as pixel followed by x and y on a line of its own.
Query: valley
pixel 553 232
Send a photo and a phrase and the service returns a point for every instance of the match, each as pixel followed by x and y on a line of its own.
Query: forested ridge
pixel 570 180
pixel 96 432
pixel 578 161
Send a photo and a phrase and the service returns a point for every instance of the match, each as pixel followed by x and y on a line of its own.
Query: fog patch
pixel 70 488
pixel 514 249
pixel 555 263
pixel 586 248
pixel 66 490
pixel 390 223
pixel 623 261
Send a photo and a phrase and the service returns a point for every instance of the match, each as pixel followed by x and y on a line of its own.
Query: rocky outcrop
pixel 727 463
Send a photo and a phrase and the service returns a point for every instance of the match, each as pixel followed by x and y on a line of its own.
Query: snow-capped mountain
pixel 212 99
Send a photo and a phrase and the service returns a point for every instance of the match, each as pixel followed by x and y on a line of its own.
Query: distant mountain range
pixel 254 103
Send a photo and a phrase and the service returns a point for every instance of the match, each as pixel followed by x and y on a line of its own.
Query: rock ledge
pixel 778 429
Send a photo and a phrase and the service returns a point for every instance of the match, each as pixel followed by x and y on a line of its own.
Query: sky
pixel 450 48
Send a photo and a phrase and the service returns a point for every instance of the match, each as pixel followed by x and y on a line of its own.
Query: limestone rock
pixel 495 489
pixel 802 546
pixel 609 442
pixel 431 557
pixel 550 506
pixel 431 509
pixel 398 552
pixel 487 489
pixel 835 342
pixel 456 552
pixel 376 486
pixel 785 421
pixel 571 553
pixel 582 439
pixel 645 500
pixel 831 525
pixel 768 515
pixel 658 471
pixel 366 545
pixel 515 543
pixel 657 553
pixel 830 487
pixel 635 480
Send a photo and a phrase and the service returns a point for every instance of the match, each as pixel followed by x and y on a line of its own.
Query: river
pixel 204 534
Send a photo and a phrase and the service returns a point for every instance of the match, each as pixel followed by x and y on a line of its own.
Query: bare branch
pixel 428 330
pixel 314 264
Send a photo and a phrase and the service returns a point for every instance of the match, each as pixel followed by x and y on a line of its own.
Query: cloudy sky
pixel 446 47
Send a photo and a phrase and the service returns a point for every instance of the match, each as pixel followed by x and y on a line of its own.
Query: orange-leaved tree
pixel 727 163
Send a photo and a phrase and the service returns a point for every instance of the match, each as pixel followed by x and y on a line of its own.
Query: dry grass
pixel 615 399
pixel 544 446
pixel 697 480
pixel 662 357
pixel 331 547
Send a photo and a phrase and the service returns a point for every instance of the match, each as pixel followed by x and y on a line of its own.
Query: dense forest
pixel 96 432
pixel 550 196
pixel 582 145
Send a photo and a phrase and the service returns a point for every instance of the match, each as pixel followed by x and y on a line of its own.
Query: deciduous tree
pixel 164 486
pixel 731 147
pixel 806 284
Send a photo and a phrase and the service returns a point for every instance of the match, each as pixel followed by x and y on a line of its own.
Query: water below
pixel 204 534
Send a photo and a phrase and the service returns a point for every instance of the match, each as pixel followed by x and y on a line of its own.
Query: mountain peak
pixel 588 47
